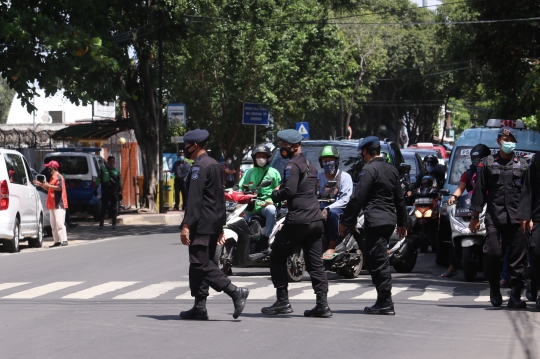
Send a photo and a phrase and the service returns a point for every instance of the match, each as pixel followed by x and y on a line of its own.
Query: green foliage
pixel 6 98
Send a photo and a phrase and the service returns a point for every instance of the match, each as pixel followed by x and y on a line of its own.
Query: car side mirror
pixel 444 191
pixel 404 168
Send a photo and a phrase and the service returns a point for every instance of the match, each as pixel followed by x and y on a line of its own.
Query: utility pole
pixel 160 118
pixel 424 3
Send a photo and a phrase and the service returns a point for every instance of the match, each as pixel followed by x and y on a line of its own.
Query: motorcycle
pixel 426 211
pixel 471 244
pixel 241 248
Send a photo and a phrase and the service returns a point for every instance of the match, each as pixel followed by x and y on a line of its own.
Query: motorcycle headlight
pixel 418 214
pixel 428 213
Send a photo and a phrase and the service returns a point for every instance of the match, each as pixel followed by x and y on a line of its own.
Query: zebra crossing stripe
pixel 98 290
pixel 372 294
pixel 153 290
pixel 334 290
pixel 41 290
pixel 484 296
pixel 262 292
pixel 11 285
pixel 212 293
pixel 435 293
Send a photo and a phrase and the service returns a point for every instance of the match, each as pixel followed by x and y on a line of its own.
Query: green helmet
pixel 329 151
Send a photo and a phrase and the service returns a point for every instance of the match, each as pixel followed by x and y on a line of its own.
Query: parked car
pixel 80 168
pixel 423 152
pixel 21 211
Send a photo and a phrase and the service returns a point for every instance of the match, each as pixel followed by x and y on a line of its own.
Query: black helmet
pixel 260 149
pixel 431 159
pixel 480 150
pixel 329 151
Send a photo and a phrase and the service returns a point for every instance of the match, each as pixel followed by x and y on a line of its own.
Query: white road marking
pixel 98 290
pixel 435 293
pixel 213 293
pixel 11 285
pixel 41 290
pixel 484 296
pixel 334 289
pixel 153 290
pixel 372 294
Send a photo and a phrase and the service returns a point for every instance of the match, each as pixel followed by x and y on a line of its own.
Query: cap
pixel 196 136
pixel 369 141
pixel 52 164
pixel 291 136
pixel 507 131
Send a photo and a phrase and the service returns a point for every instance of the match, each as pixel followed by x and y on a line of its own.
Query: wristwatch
pixel 475 217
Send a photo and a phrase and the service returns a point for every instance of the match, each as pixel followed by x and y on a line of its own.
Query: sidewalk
pixel 169 218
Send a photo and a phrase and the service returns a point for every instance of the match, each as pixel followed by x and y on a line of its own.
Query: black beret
pixel 291 136
pixel 369 141
pixel 196 136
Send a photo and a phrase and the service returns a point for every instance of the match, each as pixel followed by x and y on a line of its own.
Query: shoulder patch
pixel 362 173
pixel 287 174
pixel 288 167
pixel 195 173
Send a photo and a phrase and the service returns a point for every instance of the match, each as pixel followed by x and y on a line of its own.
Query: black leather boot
pixel 532 291
pixel 383 306
pixel 281 306
pixel 198 312
pixel 495 296
pixel 239 297
pixel 321 310
pixel 515 298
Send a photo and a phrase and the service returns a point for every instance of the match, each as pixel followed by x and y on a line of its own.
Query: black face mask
pixel 188 152
pixel 286 152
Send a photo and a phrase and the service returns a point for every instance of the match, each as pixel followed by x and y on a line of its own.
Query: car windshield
pixel 410 160
pixel 70 165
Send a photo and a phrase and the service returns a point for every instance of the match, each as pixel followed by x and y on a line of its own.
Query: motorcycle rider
pixel 431 163
pixel 341 194
pixel 303 225
pixel 498 183
pixel 253 178
pixel 529 217
pixel 466 182
pixel 379 194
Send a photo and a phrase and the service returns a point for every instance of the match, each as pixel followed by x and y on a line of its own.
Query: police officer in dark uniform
pixel 202 229
pixel 379 194
pixel 498 183
pixel 303 226
pixel 528 214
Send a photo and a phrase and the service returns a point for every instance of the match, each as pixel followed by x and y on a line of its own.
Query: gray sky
pixel 429 2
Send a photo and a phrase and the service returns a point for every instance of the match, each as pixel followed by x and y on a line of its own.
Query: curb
pixel 152 218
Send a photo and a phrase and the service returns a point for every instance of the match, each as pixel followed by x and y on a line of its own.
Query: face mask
pixel 430 168
pixel 329 167
pixel 475 161
pixel 508 147
pixel 182 158
pixel 188 152
pixel 286 152
pixel 261 162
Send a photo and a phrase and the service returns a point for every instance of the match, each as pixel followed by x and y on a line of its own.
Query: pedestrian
pixel 264 207
pixel 379 194
pixel 69 222
pixel 303 226
pixel 228 172
pixel 180 170
pixel 111 191
pixel 528 214
pixel 499 183
pixel 202 229
pixel 56 203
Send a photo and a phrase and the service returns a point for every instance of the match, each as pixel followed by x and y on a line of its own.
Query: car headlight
pixel 418 214
pixel 428 213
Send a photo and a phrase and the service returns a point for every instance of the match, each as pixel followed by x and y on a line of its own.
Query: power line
pixel 470 22
pixel 425 75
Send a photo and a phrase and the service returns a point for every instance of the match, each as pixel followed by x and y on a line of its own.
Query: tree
pixel 6 98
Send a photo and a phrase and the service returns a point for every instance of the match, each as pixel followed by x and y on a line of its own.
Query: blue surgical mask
pixel 508 147
pixel 329 167
pixel 182 158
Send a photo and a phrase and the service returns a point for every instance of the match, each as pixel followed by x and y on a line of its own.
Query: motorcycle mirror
pixel 444 191
pixel 404 168
pixel 266 183
pixel 331 184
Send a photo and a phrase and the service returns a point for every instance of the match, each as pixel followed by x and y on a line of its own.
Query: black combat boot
pixel 281 306
pixel 532 291
pixel 238 296
pixel 515 298
pixel 495 296
pixel 383 306
pixel 198 312
pixel 321 310
pixel 538 303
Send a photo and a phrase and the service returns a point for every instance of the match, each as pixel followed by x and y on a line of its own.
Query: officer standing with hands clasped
pixel 498 183
pixel 303 226
pixel 202 229
pixel 379 194
pixel 528 214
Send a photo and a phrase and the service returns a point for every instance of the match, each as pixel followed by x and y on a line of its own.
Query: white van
pixel 21 211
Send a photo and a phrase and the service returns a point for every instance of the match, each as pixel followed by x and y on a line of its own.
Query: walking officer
pixel 202 229
pixel 498 184
pixel 528 214
pixel 379 194
pixel 303 226
pixel 111 191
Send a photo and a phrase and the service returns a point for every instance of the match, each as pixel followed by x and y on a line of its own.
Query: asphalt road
pixel 119 297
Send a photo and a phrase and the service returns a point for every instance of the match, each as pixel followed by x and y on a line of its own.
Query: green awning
pixel 97 130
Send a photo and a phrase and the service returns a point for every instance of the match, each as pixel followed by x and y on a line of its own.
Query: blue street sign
pixel 303 128
pixel 255 114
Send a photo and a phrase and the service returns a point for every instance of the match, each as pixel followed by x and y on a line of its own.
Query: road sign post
pixel 176 112
pixel 303 129
pixel 255 114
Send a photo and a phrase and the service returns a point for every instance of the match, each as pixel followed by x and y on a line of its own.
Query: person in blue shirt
pixel 338 195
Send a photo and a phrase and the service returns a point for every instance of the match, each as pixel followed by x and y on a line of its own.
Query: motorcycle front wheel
pixel 296 266
pixel 223 258
pixel 350 272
